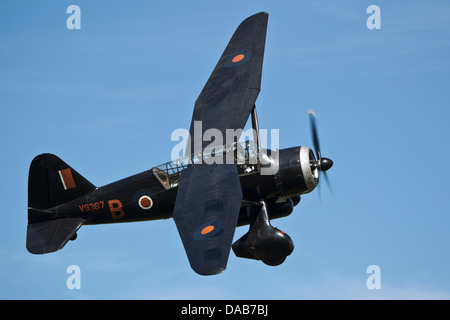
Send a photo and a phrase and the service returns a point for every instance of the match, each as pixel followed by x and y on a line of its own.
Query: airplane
pixel 207 200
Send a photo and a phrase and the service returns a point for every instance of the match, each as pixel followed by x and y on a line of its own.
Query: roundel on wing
pixel 207 230
pixel 238 57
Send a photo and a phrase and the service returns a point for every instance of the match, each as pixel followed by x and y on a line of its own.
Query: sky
pixel 106 98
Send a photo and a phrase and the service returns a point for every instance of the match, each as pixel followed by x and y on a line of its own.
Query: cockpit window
pixel 162 177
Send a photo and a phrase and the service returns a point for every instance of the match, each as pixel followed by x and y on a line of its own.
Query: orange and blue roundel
pixel 207 230
pixel 238 57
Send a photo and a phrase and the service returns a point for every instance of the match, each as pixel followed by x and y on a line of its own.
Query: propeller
pixel 322 164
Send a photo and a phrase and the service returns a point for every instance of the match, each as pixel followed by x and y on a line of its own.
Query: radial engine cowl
pixel 296 175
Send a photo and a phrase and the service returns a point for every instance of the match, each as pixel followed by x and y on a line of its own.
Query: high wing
pixel 229 95
pixel 209 195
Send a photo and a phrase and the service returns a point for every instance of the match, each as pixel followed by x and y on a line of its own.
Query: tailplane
pixel 52 182
pixel 50 236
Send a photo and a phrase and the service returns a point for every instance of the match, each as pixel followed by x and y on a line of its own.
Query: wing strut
pixel 255 127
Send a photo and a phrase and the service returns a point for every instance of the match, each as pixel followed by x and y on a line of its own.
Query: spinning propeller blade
pixel 322 164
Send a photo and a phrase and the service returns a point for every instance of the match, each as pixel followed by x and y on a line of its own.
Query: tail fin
pixel 52 182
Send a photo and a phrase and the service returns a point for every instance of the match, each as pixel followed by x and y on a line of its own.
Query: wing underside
pixel 206 212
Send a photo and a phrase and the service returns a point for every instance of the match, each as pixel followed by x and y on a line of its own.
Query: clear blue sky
pixel 106 99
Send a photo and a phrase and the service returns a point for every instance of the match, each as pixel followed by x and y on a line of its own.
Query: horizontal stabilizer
pixel 50 236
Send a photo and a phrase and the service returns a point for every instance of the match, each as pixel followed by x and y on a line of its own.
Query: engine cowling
pixel 295 174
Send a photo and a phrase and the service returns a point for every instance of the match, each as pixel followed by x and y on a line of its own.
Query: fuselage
pixel 151 195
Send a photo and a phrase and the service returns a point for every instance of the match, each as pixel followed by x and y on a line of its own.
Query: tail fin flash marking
pixel 67 179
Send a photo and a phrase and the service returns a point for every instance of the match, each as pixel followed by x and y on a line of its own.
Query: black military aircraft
pixel 206 200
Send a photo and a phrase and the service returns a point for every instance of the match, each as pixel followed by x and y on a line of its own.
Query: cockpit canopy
pixel 246 155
